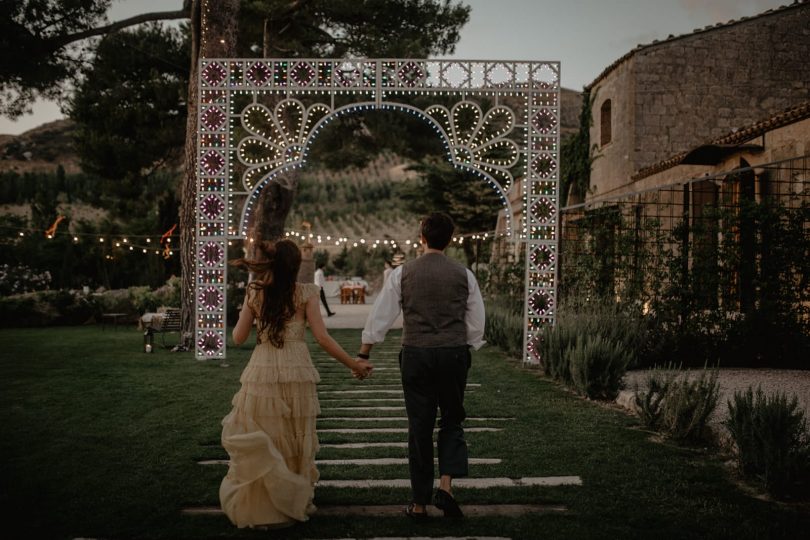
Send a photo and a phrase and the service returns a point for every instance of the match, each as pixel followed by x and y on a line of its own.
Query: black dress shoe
pixel 416 516
pixel 447 504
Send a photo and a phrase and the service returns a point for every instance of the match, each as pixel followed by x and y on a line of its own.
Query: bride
pixel 270 432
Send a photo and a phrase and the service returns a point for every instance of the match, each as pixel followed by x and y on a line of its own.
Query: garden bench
pixel 162 323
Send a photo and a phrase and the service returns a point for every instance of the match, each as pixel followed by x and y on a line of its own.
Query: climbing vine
pixel 575 155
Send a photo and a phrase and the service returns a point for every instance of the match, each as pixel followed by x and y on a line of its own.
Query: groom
pixel 443 315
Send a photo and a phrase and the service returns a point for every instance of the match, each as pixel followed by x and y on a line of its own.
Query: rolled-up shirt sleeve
pixel 385 310
pixel 475 318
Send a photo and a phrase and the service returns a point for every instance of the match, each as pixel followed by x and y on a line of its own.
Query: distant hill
pixel 41 149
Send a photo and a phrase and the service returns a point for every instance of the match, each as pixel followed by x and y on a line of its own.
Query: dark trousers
pixel 323 299
pixel 431 378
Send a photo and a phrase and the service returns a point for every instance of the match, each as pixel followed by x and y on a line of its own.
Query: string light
pixel 123 243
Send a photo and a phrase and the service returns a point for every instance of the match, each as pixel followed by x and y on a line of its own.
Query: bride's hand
pixel 363 369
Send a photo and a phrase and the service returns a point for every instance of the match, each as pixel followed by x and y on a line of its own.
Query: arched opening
pixel 476 171
pixel 359 211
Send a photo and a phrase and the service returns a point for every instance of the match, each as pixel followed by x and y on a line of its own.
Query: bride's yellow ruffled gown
pixel 270 433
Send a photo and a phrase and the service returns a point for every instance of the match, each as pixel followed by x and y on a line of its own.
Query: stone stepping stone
pixel 381 386
pixel 373 462
pixel 465 483
pixel 340 368
pixel 362 445
pixel 348 391
pixel 364 419
pixel 397 430
pixel 331 392
pixel 396 461
pixel 398 419
pixel 386 400
pixel 361 408
pixel 359 385
pixel 424 537
pixel 470 510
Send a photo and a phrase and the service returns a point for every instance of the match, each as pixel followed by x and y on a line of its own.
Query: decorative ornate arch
pixel 257 119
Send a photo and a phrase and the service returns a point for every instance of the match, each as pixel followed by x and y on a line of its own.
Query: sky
pixel 584 35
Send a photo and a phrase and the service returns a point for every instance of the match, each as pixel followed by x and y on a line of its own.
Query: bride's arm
pixel 328 344
pixel 242 329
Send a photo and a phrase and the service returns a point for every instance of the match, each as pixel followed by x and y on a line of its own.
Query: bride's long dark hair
pixel 275 270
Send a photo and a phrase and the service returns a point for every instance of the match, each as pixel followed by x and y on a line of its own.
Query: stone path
pixel 362 421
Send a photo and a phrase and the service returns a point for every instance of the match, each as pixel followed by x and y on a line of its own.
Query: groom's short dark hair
pixel 437 228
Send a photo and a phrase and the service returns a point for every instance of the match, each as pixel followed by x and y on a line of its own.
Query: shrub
pixel 556 341
pixel 169 293
pixel 688 406
pixel 600 339
pixel 114 301
pixel 504 328
pixel 770 433
pixel 22 279
pixel 45 308
pixel 678 405
pixel 597 366
pixel 649 403
pixel 142 299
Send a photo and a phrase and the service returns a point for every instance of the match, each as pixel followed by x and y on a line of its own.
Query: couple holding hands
pixel 270 433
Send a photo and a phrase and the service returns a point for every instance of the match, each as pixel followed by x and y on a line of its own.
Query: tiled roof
pixel 738 136
pixel 709 28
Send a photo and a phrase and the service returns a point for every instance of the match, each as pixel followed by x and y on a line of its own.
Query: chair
pixel 345 294
pixel 358 294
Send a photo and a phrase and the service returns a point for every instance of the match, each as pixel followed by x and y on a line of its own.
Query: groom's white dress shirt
pixel 387 307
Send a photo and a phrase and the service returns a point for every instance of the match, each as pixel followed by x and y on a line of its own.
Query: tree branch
pixel 58 42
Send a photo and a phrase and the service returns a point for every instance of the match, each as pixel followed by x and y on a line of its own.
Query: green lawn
pixel 100 440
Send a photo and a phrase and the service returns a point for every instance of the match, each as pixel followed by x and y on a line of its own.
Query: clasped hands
pixel 363 370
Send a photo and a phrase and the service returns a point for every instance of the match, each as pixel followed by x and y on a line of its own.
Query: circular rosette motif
pixel 276 138
pixel 212 206
pixel 542 303
pixel 211 343
pixel 211 298
pixel 211 253
pixel 543 257
pixel 480 140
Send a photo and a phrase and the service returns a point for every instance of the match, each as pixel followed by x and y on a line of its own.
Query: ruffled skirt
pixel 270 438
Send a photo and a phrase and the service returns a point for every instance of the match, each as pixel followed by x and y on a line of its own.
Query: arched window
pixel 604 118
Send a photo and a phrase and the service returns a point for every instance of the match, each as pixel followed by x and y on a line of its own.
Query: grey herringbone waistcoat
pixel 434 302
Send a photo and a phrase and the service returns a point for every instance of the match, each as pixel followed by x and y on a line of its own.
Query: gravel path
pixel 791 382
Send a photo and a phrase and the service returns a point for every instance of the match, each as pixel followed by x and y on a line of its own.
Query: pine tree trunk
pixel 213 35
pixel 275 202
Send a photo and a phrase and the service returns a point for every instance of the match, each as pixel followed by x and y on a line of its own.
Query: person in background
pixel 388 269
pixel 443 316
pixel 320 281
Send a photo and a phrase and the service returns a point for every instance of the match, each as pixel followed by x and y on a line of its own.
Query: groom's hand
pixel 363 370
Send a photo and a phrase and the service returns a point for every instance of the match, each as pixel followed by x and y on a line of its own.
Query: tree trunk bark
pixel 213 35
pixel 275 202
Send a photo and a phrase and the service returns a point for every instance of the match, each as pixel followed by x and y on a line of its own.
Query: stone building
pixel 673 95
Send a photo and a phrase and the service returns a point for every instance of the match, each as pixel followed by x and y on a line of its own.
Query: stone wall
pixel 675 95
